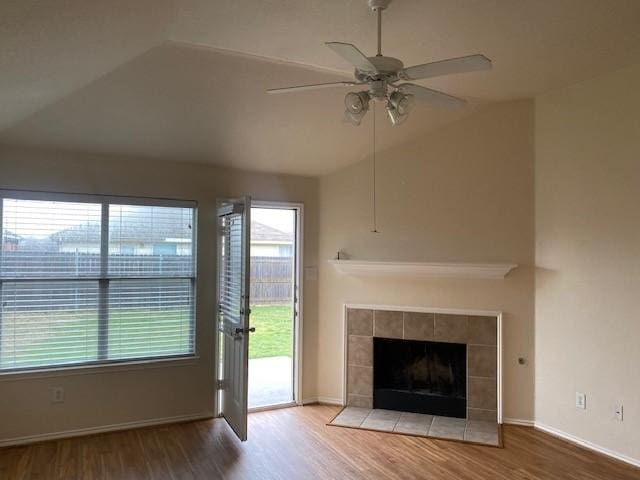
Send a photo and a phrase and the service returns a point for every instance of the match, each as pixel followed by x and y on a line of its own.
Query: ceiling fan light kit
pixel 381 74
pixel 395 117
pixel 357 105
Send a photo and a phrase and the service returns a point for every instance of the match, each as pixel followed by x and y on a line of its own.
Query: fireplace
pixel 424 361
pixel 420 377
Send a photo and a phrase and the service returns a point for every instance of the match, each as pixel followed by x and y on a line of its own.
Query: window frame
pixel 103 279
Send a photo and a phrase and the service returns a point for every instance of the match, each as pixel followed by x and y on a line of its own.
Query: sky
pixel 282 219
pixel 39 219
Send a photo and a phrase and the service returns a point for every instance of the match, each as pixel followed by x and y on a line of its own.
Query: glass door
pixel 274 305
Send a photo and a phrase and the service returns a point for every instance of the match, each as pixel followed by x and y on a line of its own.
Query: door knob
pixel 242 330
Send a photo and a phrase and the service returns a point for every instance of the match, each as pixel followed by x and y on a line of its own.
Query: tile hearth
pixel 475 431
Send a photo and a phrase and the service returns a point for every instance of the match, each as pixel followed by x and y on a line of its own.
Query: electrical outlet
pixel 57 395
pixel 581 400
pixel 618 411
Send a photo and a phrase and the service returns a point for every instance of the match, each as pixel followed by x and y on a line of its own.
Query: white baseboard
pixel 102 429
pixel 587 444
pixel 327 400
pixel 518 421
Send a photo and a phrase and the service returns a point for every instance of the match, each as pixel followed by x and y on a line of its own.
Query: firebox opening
pixel 420 377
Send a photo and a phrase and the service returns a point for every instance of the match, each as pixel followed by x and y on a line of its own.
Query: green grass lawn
pixel 274 331
pixel 71 336
pixel 62 337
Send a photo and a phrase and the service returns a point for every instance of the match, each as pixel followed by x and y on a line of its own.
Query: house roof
pixel 9 236
pixel 144 229
pixel 265 233
pixel 138 226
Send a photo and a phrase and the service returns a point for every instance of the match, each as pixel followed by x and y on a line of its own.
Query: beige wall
pixel 588 259
pixel 463 193
pixel 120 394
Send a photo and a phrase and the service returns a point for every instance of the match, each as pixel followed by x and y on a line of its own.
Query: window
pixel 92 280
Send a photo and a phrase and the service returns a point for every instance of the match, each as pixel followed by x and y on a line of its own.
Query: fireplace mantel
pixel 416 269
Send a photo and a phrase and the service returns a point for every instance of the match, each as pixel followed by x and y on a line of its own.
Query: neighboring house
pixel 141 237
pixel 140 234
pixel 10 241
pixel 267 241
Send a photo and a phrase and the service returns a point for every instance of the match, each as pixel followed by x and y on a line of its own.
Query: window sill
pixel 73 370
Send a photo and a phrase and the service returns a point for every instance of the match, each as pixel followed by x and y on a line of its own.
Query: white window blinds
pixel 94 280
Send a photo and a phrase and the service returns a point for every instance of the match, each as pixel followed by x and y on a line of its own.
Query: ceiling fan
pixel 381 75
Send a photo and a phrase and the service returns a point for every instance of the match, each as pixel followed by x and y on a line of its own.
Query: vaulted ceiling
pixel 185 79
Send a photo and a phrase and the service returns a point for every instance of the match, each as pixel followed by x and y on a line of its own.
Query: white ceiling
pixel 102 76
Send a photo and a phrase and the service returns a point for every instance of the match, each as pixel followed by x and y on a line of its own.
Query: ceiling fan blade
pixel 472 63
pixel 316 86
pixel 352 55
pixel 432 97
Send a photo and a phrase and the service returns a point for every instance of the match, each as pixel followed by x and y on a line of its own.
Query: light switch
pixel 311 273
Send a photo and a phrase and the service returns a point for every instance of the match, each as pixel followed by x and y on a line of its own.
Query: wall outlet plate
pixel 57 395
pixel 311 273
pixel 581 400
pixel 618 411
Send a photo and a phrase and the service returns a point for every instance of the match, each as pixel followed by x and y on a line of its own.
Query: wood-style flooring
pixel 296 443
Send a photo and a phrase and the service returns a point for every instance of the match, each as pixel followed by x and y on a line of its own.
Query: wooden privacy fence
pixel 271 277
pixel 271 280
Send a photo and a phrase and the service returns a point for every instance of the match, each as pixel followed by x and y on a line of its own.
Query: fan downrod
pixel 386 67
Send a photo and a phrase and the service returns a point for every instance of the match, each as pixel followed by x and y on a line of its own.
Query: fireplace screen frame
pixel 394 391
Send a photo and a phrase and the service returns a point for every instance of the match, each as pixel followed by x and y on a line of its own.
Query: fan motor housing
pixel 387 67
pixel 378 90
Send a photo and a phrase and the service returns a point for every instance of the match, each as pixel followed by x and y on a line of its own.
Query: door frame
pixel 298 207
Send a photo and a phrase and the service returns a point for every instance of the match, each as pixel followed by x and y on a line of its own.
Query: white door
pixel 233 311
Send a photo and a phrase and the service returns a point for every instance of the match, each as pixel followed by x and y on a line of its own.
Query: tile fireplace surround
pixel 480 333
